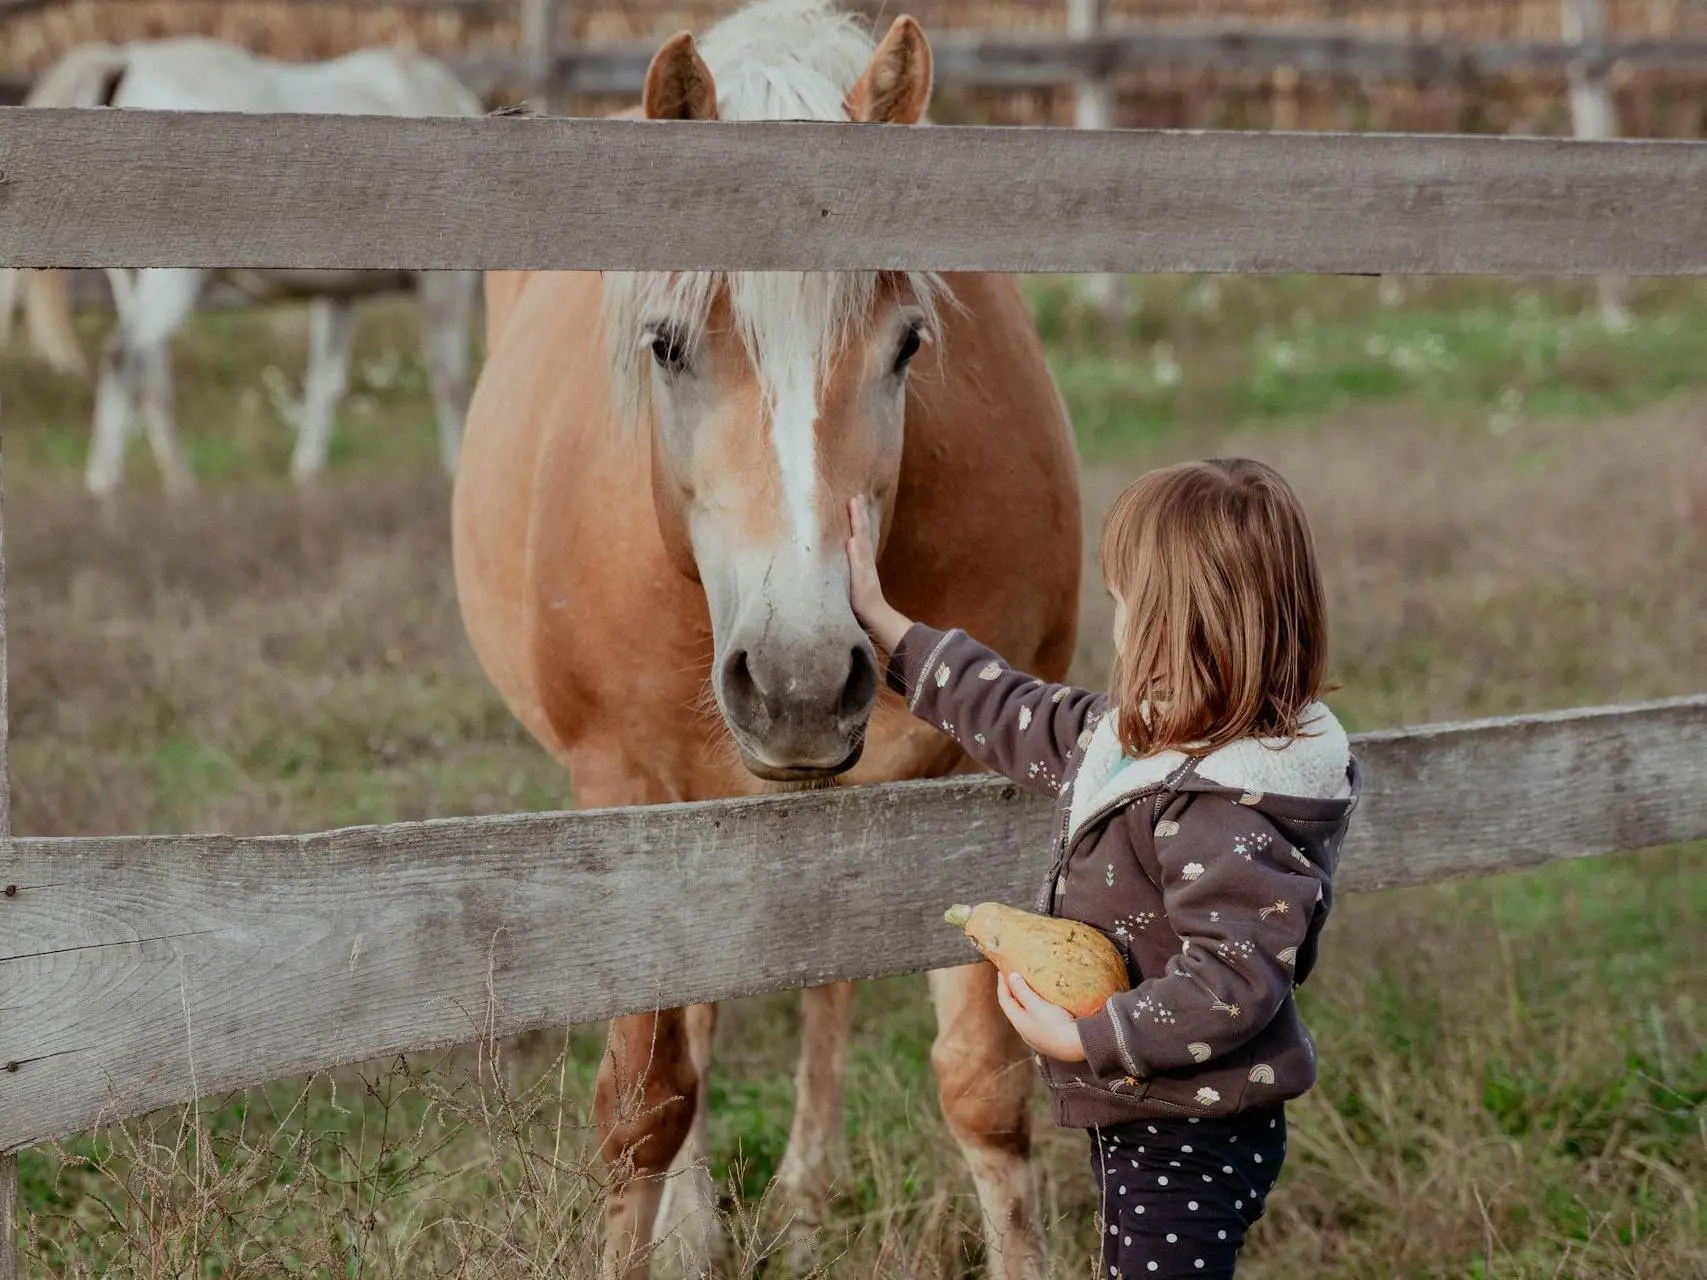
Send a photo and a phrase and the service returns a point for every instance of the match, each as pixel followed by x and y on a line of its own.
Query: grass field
pixel 1511 504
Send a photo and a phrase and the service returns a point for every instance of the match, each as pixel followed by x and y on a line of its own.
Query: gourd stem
pixel 958 915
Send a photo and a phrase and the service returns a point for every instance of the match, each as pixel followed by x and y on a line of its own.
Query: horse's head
pixel 772 398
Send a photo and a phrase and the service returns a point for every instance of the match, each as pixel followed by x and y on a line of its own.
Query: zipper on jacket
pixel 1064 846
pixel 1058 864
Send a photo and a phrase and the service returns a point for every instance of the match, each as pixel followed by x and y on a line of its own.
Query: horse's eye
pixel 669 351
pixel 911 341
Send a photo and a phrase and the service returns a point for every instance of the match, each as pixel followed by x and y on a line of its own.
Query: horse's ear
pixel 896 87
pixel 679 84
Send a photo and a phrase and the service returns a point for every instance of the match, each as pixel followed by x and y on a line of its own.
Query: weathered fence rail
pixel 136 971
pixel 141 188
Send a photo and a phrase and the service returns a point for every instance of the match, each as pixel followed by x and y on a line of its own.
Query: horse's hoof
pixel 690 1236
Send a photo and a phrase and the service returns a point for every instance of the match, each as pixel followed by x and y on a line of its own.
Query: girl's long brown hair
pixel 1226 625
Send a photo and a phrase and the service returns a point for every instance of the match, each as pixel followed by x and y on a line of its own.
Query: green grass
pixel 237 376
pixel 1238 351
pixel 1220 351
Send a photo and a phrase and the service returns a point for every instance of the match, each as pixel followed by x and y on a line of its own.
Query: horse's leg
pixel 650 1079
pixel 160 303
pixel 115 387
pixel 151 304
pixel 688 1212
pixel 157 420
pixel 985 1077
pixel 643 1107
pixel 330 326
pixel 816 1158
pixel 121 370
pixel 447 299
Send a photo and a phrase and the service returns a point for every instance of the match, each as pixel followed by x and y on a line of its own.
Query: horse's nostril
pixel 741 692
pixel 860 691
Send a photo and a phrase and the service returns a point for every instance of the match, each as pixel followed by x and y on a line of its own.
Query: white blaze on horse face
pixel 794 436
pixel 794 663
pixel 792 325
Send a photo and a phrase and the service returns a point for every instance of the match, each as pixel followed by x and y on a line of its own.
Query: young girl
pixel 1202 803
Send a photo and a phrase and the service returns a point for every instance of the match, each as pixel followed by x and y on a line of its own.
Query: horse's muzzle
pixel 798 716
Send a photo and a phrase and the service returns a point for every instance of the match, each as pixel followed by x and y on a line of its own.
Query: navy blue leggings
pixel 1179 1195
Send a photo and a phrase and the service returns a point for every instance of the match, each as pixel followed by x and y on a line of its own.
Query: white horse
pixel 196 74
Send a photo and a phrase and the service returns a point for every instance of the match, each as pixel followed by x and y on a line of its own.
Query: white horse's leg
pixel 985 1078
pixel 687 1215
pixel 152 305
pixel 162 301
pixel 447 302
pixel 116 386
pixel 815 1161
pixel 157 420
pixel 331 324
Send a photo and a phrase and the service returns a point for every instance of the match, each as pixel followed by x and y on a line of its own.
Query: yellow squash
pixel 1066 962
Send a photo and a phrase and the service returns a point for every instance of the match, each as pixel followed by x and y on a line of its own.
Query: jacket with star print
pixel 1212 874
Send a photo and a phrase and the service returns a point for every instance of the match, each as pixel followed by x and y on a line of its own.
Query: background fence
pixel 1434 65
pixel 141 971
pixel 1437 65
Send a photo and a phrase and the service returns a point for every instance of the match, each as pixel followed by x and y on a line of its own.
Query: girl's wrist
pixel 891 628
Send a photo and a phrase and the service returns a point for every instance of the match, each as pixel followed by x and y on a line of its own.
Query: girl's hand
pixel 1047 1028
pixel 886 625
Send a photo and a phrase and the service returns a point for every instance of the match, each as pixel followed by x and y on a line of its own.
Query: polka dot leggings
pixel 1179 1195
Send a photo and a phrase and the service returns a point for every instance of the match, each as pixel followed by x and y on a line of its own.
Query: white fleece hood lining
pixel 1312 766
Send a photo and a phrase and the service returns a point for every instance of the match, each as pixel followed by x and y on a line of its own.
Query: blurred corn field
pixel 1650 102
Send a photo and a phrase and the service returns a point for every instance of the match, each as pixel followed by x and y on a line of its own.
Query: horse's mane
pixel 773 60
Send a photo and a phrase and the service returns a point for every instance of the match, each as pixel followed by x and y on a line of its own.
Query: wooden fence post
pixel 542 33
pixel 9 1218
pixel 1093 108
pixel 10 1215
pixel 1593 118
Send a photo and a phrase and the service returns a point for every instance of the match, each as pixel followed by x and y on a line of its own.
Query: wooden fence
pixel 136 972
pixel 145 188
pixel 1093 53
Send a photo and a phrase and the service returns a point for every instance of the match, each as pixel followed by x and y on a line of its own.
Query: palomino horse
pixel 195 74
pixel 652 504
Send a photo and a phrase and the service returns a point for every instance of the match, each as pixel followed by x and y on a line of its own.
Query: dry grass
pixel 256 662
pixel 1479 572
pixel 1516 1068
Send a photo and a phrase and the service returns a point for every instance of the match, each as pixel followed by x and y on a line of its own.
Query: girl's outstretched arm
pixel 1009 721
